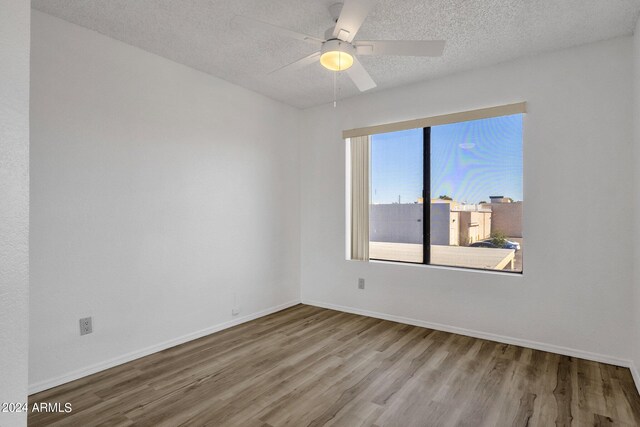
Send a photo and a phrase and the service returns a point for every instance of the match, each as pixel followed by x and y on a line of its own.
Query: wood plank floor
pixel 307 366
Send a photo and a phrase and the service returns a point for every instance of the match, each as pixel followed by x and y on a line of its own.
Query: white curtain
pixel 360 198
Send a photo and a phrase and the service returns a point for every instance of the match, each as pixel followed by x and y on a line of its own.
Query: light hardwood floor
pixel 307 366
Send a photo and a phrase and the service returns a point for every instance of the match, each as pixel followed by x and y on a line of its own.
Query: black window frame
pixel 426 195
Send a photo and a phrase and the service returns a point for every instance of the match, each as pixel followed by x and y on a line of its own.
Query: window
pixel 448 194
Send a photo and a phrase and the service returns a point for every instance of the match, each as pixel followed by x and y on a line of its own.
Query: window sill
pixel 444 267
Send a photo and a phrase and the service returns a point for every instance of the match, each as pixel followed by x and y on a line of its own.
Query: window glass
pixel 476 194
pixel 396 210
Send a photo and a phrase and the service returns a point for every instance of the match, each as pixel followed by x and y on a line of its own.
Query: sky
pixel 470 161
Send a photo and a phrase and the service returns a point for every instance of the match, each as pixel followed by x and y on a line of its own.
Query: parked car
pixel 488 243
pixel 511 245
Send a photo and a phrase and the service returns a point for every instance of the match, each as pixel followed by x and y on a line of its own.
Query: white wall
pixel 14 205
pixel 636 164
pixel 576 289
pixel 159 193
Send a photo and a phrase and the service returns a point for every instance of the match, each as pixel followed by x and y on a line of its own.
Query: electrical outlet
pixel 360 283
pixel 235 311
pixel 85 326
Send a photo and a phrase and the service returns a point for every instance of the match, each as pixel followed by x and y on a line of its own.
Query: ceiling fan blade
pixel 360 76
pixel 246 22
pixel 300 63
pixel 400 47
pixel 353 14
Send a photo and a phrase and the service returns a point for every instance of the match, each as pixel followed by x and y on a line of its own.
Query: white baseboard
pixel 101 366
pixel 551 348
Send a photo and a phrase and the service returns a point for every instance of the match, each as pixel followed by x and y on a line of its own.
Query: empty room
pixel 319 213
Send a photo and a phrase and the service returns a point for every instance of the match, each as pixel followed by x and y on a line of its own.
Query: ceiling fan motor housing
pixel 338 45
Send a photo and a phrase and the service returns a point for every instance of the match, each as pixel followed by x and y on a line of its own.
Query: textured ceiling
pixel 198 33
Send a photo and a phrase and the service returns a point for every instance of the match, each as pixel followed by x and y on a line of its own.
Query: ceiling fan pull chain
pixel 335 98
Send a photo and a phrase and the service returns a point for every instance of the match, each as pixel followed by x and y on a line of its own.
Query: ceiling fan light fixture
pixel 336 60
pixel 337 55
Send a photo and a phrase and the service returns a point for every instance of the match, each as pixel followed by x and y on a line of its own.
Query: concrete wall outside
pixel 440 229
pixel 402 223
pixel 507 218
pixel 398 223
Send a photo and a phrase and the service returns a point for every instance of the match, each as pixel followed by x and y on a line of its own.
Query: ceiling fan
pixel 339 51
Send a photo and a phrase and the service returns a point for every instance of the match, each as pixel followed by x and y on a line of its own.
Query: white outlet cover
pixel 86 326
